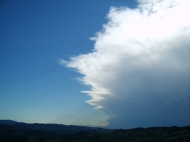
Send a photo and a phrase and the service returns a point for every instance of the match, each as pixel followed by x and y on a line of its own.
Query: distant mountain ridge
pixel 8 122
pixel 52 128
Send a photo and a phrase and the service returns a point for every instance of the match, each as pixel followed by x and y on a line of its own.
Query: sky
pixel 113 63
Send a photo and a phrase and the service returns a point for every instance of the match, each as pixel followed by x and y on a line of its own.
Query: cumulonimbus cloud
pixel 139 70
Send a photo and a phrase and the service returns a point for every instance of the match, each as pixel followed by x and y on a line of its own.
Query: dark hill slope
pixel 22 132
pixel 57 129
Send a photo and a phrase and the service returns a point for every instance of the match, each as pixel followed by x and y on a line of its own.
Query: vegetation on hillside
pixel 21 132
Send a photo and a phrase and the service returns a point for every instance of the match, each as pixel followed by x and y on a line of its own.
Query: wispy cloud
pixel 139 70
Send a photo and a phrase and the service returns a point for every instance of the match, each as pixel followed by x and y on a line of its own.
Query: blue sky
pixel 34 36
pixel 48 57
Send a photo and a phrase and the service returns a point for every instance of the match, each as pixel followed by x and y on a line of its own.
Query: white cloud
pixel 139 71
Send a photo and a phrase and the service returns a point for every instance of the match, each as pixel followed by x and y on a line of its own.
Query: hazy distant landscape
pixel 12 131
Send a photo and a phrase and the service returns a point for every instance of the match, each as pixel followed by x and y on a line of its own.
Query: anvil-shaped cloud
pixel 139 70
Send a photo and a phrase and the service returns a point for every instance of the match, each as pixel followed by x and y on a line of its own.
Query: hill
pixel 57 129
pixel 8 122
pixel 12 131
